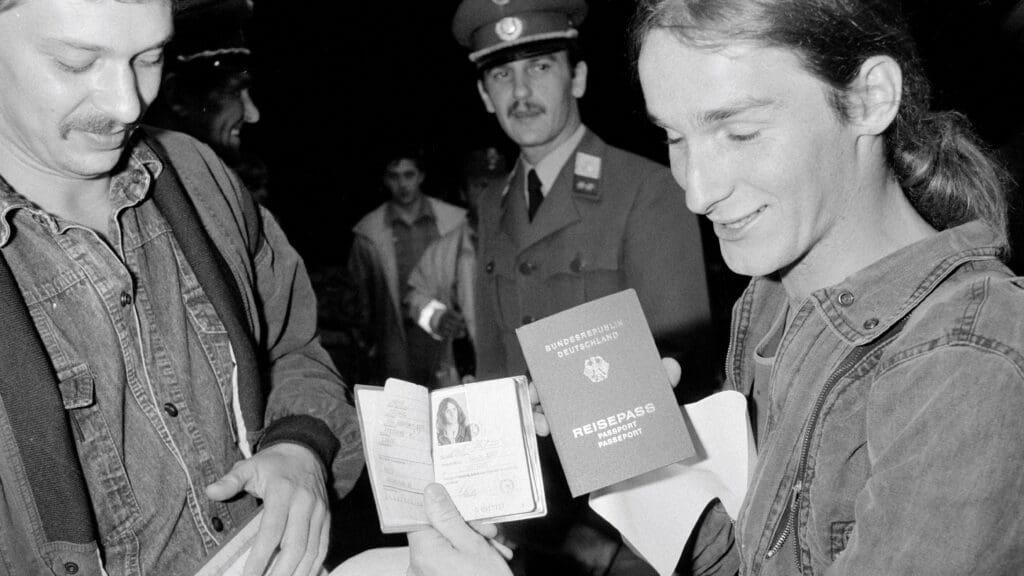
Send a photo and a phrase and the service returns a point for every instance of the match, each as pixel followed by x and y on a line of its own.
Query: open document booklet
pixel 476 439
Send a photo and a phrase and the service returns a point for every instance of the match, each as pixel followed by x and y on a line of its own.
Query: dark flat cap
pixel 490 28
pixel 210 33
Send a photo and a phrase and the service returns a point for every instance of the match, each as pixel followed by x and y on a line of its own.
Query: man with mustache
pixel 577 219
pixel 160 373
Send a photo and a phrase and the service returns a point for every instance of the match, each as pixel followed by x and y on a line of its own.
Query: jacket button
pixel 870 324
pixel 218 525
pixel 845 298
pixel 126 298
pixel 527 319
pixel 576 266
pixel 490 267
pixel 526 268
pixel 71 568
pixel 171 410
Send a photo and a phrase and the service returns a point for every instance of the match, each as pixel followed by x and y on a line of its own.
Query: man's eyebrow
pixel 712 117
pixel 57 43
pixel 725 113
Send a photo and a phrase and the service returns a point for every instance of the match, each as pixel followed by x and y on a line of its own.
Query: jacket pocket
pixel 580 273
pixel 78 394
pixel 839 537
pixel 77 387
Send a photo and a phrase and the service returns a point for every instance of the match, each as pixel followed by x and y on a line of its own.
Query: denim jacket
pixel 885 450
pixel 279 311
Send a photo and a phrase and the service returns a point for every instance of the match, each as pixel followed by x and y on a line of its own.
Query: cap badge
pixel 509 28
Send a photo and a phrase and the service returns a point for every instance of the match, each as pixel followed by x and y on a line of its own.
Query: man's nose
pixel 705 180
pixel 252 113
pixel 117 94
pixel 521 89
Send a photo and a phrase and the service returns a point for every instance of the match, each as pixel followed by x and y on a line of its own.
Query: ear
pixel 488 104
pixel 579 80
pixel 874 96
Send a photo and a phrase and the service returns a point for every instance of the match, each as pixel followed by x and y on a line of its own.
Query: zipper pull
pixel 787 522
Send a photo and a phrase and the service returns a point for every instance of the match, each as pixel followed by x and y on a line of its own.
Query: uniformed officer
pixel 577 219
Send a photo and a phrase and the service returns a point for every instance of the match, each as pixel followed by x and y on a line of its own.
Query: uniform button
pixel 845 298
pixel 490 267
pixel 171 410
pixel 870 324
pixel 525 268
pixel 576 266
pixel 217 524
pixel 527 319
pixel 126 298
pixel 71 568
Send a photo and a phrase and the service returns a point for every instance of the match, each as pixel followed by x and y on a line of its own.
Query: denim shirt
pixel 904 458
pixel 144 366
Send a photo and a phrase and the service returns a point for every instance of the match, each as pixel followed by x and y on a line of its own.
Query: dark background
pixel 339 83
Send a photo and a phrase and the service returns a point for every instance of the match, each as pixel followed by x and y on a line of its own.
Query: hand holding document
pixel 657 512
pixel 477 440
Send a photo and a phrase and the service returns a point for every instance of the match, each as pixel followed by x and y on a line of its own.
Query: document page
pixel 656 512
pixel 402 446
pixel 480 453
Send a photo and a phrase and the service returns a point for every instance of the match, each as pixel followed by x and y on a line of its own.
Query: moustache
pixel 524 108
pixel 96 125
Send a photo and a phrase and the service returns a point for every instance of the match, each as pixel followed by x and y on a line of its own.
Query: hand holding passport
pixel 606 399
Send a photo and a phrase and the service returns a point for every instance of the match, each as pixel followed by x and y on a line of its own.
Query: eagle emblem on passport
pixel 509 28
pixel 596 369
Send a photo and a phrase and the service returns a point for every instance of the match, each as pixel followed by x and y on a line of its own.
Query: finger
pixel 316 547
pixel 272 526
pixel 505 551
pixel 325 540
pixel 423 546
pixel 534 396
pixel 445 518
pixel 540 424
pixel 485 530
pixel 230 484
pixel 673 370
pixel 295 539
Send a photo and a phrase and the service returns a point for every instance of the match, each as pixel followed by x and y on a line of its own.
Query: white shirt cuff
pixel 427 313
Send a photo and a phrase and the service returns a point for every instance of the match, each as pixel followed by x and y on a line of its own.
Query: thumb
pixel 673 370
pixel 229 484
pixel 445 518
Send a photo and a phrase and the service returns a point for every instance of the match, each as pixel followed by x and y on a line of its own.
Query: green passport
pixel 602 385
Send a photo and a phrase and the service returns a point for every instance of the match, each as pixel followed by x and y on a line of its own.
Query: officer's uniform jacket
pixel 612 220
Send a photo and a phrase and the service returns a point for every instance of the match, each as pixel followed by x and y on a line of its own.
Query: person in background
pixel 206 90
pixel 879 341
pixel 441 299
pixel 578 219
pixel 160 373
pixel 388 243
